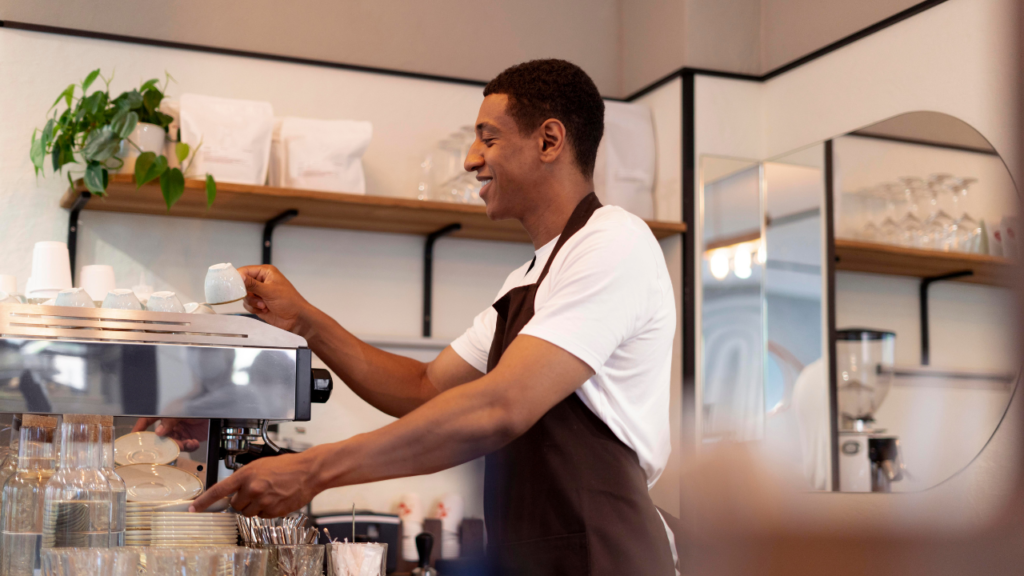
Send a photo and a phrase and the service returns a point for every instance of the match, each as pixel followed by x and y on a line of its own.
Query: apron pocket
pixel 555 556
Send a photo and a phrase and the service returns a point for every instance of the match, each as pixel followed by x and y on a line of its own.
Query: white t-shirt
pixel 608 300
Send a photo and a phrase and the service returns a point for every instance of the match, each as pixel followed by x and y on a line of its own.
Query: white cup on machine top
pixel 164 302
pixel 51 270
pixel 6 298
pixel 74 297
pixel 197 308
pixel 223 284
pixel 450 510
pixel 122 299
pixel 9 284
pixel 98 280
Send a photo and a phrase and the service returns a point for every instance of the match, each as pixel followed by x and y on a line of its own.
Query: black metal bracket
pixel 925 284
pixel 80 202
pixel 268 231
pixel 428 273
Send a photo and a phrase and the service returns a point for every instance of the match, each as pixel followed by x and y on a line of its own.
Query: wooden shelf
pixel 855 256
pixel 320 209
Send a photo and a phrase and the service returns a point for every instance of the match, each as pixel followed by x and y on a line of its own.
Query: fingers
pixel 166 426
pixel 221 489
pixel 189 445
pixel 143 423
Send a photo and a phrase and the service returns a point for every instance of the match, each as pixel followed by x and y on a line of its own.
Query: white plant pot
pixel 148 138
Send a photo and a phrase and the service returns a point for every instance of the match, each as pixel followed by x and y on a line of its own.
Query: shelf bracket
pixel 428 273
pixel 268 231
pixel 925 283
pixel 80 202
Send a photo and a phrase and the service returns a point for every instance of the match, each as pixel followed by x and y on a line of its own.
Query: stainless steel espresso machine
pixel 237 372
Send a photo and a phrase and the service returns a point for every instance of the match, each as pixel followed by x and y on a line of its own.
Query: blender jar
pixel 864 361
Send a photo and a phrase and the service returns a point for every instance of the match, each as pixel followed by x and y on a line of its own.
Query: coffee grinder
pixel 869 459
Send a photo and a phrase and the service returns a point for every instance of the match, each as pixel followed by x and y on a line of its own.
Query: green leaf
pixel 62 154
pixel 90 79
pixel 125 124
pixel 149 84
pixel 130 100
pixel 94 103
pixel 151 99
pixel 172 184
pixel 66 95
pixel 48 132
pixel 142 166
pixel 156 168
pixel 96 178
pixel 36 153
pixel 211 190
pixel 101 144
pixel 181 151
pixel 162 120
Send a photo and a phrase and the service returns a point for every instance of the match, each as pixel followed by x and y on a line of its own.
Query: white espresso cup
pixel 9 284
pixel 98 280
pixel 75 297
pixel 122 299
pixel 197 308
pixel 51 266
pixel 224 284
pixel 164 302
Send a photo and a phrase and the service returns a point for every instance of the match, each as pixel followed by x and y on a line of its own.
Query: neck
pixel 548 219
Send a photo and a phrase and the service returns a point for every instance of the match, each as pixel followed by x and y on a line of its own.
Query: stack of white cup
pixel 51 271
pixel 410 512
pixel 98 280
pixel 450 510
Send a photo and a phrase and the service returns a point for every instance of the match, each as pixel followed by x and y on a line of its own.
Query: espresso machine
pixel 239 373
pixel 869 459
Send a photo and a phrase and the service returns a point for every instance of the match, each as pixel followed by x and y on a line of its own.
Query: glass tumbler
pixel 22 529
pixel 118 492
pixel 10 461
pixel 77 499
pixel 357 559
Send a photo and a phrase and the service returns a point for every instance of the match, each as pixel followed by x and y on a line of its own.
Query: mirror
pixel 875 313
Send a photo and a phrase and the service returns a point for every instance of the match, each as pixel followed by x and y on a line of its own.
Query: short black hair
pixel 542 89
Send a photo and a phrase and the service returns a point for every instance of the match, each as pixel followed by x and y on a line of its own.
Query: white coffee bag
pixel 235 137
pixel 319 154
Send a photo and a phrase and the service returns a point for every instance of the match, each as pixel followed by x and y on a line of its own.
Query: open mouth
pixel 485 182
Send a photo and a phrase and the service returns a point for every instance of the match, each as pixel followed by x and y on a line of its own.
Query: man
pixel 563 384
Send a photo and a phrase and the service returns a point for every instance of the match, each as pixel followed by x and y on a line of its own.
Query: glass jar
pixel 118 492
pixel 77 502
pixel 22 529
pixel 864 361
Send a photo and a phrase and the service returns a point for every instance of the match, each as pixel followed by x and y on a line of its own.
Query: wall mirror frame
pixel 852 302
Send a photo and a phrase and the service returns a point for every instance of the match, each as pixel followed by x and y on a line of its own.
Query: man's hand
pixel 273 298
pixel 269 487
pixel 186 433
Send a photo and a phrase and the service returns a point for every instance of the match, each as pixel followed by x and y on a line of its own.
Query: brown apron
pixel 567 498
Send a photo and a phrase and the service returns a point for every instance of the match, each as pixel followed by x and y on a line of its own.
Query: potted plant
pixel 99 133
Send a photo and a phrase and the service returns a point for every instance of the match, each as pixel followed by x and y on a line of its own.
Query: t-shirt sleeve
pixel 599 292
pixel 475 343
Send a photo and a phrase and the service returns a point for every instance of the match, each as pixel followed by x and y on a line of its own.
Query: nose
pixel 474 158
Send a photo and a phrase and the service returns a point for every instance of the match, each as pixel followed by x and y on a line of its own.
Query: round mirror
pixel 855 313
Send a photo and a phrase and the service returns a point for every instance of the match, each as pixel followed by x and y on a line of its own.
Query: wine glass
pixel 889 230
pixel 968 230
pixel 912 230
pixel 873 211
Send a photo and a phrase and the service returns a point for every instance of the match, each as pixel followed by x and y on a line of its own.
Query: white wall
pixel 461 38
pixel 906 67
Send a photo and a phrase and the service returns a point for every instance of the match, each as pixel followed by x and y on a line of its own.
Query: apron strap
pixel 580 215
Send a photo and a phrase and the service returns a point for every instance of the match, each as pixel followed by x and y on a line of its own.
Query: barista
pixel 563 384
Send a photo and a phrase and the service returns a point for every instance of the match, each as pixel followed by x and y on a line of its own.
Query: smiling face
pixel 506 162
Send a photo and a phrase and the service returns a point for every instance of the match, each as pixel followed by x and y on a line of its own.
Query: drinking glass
pixel 161 561
pixel 118 491
pixel 91 562
pixel 915 202
pixel 295 560
pixel 77 498
pixel 889 230
pixel 23 497
pixel 968 230
pixel 357 559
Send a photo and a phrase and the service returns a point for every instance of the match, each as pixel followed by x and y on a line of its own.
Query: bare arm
pixel 456 426
pixel 393 384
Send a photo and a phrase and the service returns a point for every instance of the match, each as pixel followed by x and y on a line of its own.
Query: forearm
pixel 457 426
pixel 393 384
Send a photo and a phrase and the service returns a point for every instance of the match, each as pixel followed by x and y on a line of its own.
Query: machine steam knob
pixel 322 386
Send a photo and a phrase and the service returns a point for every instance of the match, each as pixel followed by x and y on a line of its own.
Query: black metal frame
pixel 923 297
pixel 75 210
pixel 268 231
pixel 428 274
pixel 830 311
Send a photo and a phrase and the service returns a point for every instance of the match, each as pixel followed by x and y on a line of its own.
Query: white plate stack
pixel 138 516
pixel 193 529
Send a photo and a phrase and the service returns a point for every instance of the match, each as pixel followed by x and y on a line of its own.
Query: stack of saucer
pixel 193 529
pixel 137 520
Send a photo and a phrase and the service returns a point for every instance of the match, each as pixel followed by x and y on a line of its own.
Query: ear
pixel 551 140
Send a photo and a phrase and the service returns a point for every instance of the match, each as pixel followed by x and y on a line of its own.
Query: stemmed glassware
pixel 968 230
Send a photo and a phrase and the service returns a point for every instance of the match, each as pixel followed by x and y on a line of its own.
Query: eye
pixel 489 142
